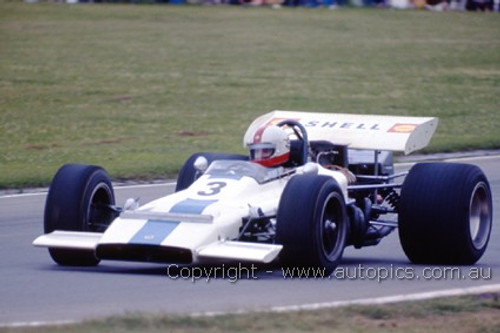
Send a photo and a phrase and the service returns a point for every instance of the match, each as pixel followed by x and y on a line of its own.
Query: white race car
pixel 337 189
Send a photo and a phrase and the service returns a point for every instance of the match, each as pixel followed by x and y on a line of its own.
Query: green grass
pixel 479 313
pixel 138 88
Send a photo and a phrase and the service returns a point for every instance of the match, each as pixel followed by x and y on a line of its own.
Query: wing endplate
pixel 244 251
pixel 69 240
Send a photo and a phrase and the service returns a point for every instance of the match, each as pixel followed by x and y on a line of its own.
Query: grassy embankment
pixel 137 89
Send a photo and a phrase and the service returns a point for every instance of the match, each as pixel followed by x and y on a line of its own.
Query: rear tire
pixel 445 214
pixel 72 205
pixel 312 223
pixel 188 174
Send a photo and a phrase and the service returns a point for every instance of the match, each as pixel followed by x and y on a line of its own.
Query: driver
pixel 270 147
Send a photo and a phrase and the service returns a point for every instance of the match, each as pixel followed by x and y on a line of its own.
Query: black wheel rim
pixel 331 228
pixel 99 214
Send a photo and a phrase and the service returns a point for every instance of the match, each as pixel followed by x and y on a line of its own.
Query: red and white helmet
pixel 270 147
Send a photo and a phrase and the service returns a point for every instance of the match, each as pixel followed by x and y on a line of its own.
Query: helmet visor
pixel 261 151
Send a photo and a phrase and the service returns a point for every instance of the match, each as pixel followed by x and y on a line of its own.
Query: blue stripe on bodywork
pixel 191 206
pixel 154 232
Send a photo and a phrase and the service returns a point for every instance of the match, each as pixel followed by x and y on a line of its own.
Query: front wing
pixel 221 250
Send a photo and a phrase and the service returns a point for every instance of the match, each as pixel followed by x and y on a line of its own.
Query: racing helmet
pixel 270 147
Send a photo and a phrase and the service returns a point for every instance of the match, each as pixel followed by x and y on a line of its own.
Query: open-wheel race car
pixel 327 183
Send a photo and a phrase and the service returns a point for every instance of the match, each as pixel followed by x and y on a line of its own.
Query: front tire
pixel 312 223
pixel 77 201
pixel 445 214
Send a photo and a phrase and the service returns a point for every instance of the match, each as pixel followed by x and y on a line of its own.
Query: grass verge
pixel 478 313
pixel 138 88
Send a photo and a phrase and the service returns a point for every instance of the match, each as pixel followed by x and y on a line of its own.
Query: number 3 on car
pixel 214 188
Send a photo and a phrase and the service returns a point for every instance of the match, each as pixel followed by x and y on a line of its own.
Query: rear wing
pixel 373 132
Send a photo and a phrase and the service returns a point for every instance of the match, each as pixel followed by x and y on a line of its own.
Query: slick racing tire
pixel 312 223
pixel 445 214
pixel 188 174
pixel 77 201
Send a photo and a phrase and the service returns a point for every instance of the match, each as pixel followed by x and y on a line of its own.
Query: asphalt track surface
pixel 35 290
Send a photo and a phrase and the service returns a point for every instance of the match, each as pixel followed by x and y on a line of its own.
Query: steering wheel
pixel 301 134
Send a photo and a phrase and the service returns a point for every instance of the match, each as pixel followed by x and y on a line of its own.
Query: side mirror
pixel 201 164
pixel 310 168
pixel 131 204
